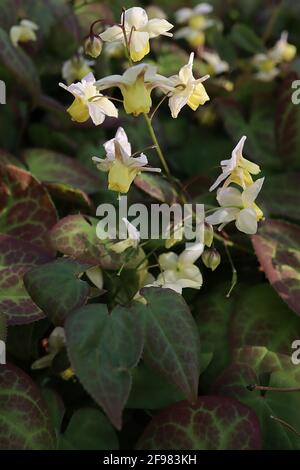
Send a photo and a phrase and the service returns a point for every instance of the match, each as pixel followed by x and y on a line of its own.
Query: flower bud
pixel 93 46
pixel 211 258
pixel 208 234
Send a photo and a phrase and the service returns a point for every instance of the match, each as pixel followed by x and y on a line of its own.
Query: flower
pixel 119 163
pixel 266 67
pixel 194 37
pixel 76 68
pixel 283 51
pixel 216 65
pixel 136 85
pixel 88 102
pixel 239 207
pixel 185 14
pixel 56 342
pixel 197 23
pixel 131 242
pixel 185 89
pixel 93 46
pixel 24 32
pixel 237 169
pixel 179 271
pixel 139 30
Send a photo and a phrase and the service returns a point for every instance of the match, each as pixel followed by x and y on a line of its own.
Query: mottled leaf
pixel 24 419
pixel 16 258
pixel 57 289
pixel 26 209
pixel 212 423
pixel 277 246
pixel 103 349
pixel 157 187
pixel 68 195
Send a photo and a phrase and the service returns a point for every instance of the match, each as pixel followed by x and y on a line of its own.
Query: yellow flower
pixel 136 85
pixel 88 102
pixel 216 65
pixel 238 207
pixel 197 21
pixel 131 242
pixel 139 30
pixel 24 32
pixel 76 69
pixel 283 51
pixel 186 90
pixel 237 169
pixel 122 168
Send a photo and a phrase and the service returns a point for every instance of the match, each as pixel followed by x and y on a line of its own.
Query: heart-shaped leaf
pixel 277 246
pixel 49 166
pixel 24 419
pixel 26 209
pixel 56 288
pixel 103 349
pixel 172 345
pixel 212 423
pixel 16 258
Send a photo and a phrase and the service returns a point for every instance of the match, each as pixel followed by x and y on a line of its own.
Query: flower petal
pixel 112 34
pixel 139 45
pixel 191 254
pixel 229 197
pixel 156 27
pixel 168 261
pixel 136 17
pixel 246 221
pixel 250 194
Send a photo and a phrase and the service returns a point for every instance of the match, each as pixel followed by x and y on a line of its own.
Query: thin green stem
pixel 234 271
pixel 156 143
pixel 285 424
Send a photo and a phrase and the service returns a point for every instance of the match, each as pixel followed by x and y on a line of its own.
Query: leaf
pixel 56 407
pixel 277 246
pixel 24 419
pixel 16 258
pixel 172 346
pixel 6 159
pixel 19 64
pixel 246 39
pixel 56 288
pixel 103 349
pixel 280 196
pixel 89 429
pixel 212 423
pixel 67 194
pixel 53 167
pixel 157 187
pixel 259 366
pixel 262 319
pixel 3 327
pixel 26 209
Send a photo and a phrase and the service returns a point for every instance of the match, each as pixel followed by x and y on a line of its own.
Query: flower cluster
pixel 196 20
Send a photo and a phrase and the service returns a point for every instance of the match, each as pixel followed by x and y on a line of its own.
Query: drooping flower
pixel 56 342
pixel 186 89
pixel 93 46
pixel 216 65
pixel 122 168
pixel 76 68
pixel 237 169
pixel 238 207
pixel 179 271
pixel 136 85
pixel 89 102
pixel 198 22
pixel 25 31
pixel 266 67
pixel 139 30
pixel 131 242
pixel 283 51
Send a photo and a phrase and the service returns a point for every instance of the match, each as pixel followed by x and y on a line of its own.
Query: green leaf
pixel 280 196
pixel 277 246
pixel 24 419
pixel 212 423
pixel 16 258
pixel 262 319
pixel 246 39
pixel 89 429
pixel 26 209
pixel 103 349
pixel 259 366
pixel 19 64
pixel 172 346
pixel 53 167
pixel 56 288
pixel 157 187
pixel 67 194
pixel 3 327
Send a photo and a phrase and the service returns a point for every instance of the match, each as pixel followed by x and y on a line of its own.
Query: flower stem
pixel 287 425
pixel 262 388
pixel 157 146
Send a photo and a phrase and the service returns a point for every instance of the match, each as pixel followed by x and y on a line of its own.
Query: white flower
pixel 89 102
pixel 24 32
pixel 122 167
pixel 139 30
pixel 283 51
pixel 131 242
pixel 136 85
pixel 76 68
pixel 185 14
pixel 193 36
pixel 217 65
pixel 237 169
pixel 179 271
pixel 239 207
pixel 56 342
pixel 95 275
pixel 186 90
pixel 266 67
